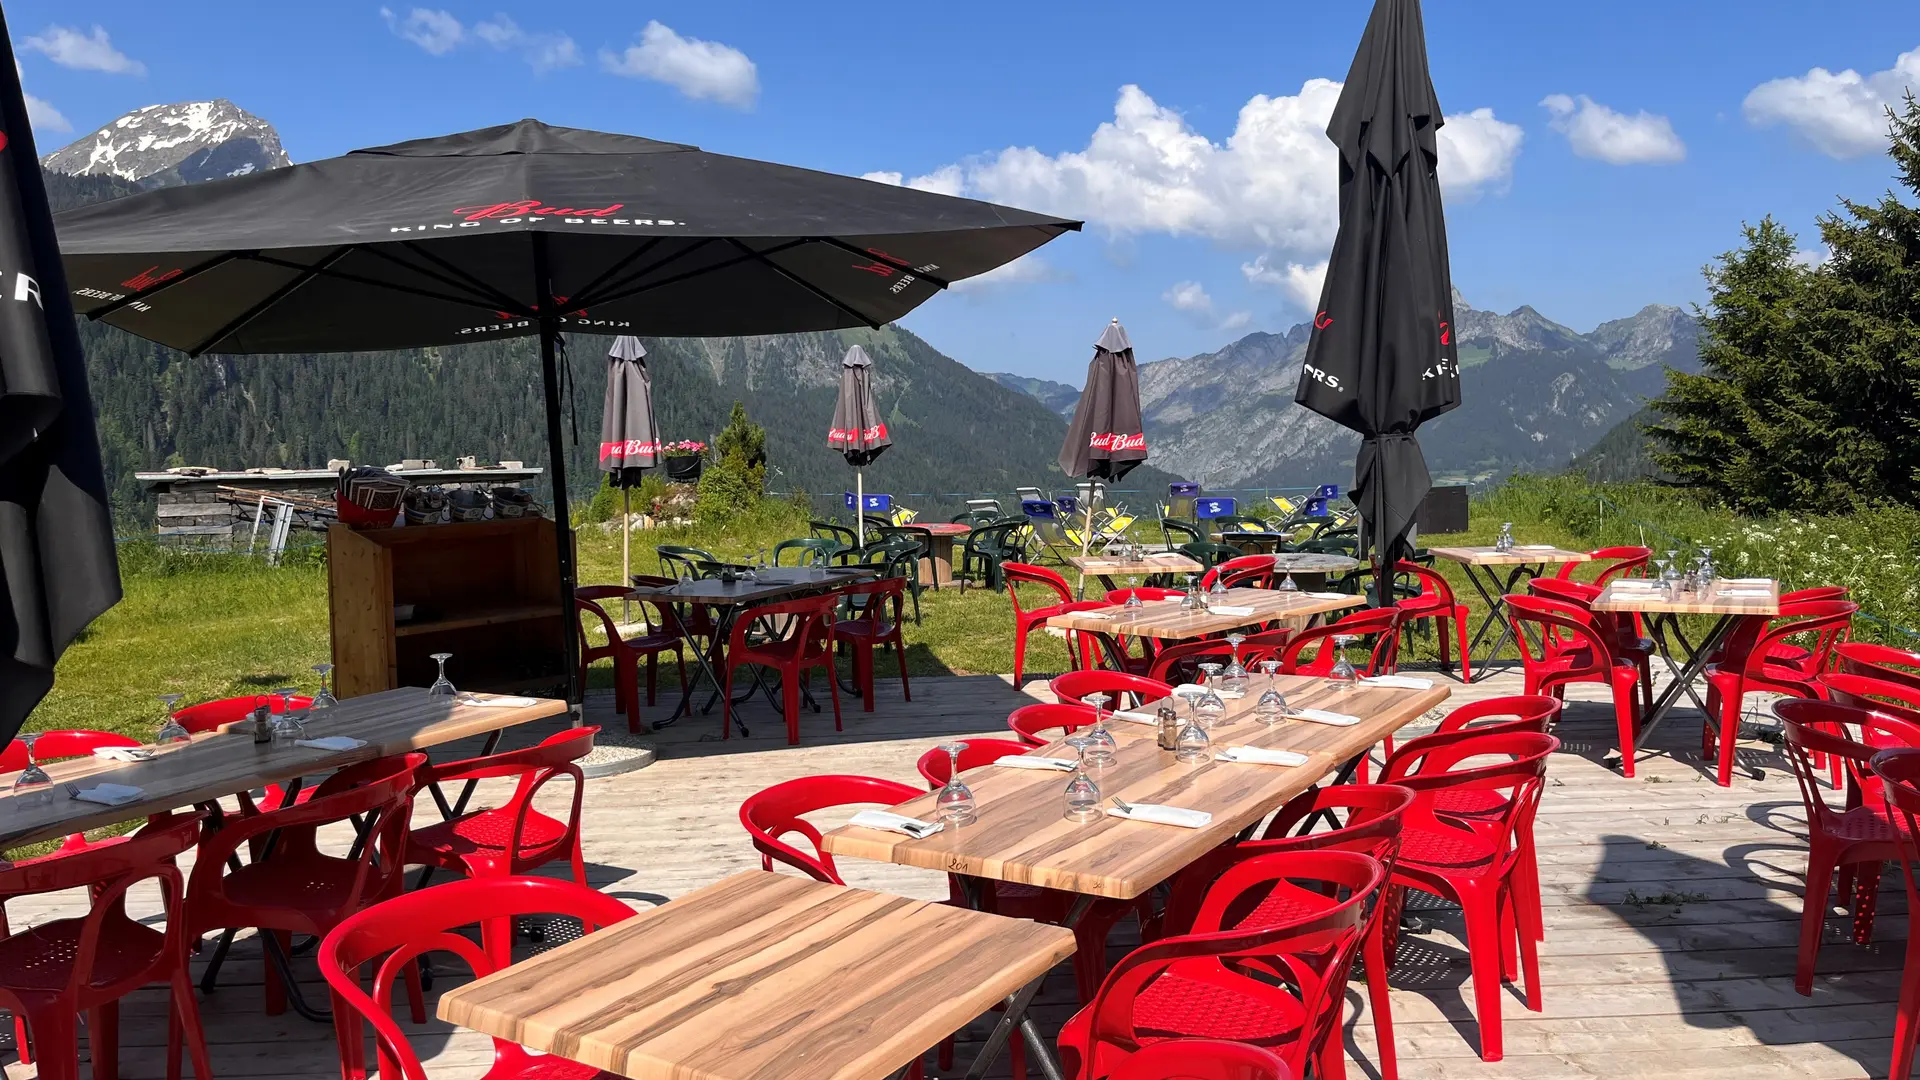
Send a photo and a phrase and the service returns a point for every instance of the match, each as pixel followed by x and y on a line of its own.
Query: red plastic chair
pixel 1146 593
pixel 1436 601
pixel 515 838
pixel 1202 1059
pixel 871 627
pixel 627 653
pixel 1025 620
pixel 1179 663
pixel 1584 653
pixel 1612 562
pixel 936 766
pixel 55 971
pixel 1899 774
pixel 1627 642
pixel 1279 986
pixel 1519 712
pixel 407 927
pixel 1757 672
pixel 807 643
pixel 1075 686
pixel 295 888
pixel 1248 571
pixel 1852 841
pixel 1372 828
pixel 1382 624
pixel 770 815
pixel 1882 662
pixel 1895 699
pixel 1477 863
pixel 1149 648
pixel 1028 721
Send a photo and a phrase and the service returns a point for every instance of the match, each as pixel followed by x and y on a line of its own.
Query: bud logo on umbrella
pixel 1114 441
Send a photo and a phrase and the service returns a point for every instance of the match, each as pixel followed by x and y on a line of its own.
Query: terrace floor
pixel 1672 907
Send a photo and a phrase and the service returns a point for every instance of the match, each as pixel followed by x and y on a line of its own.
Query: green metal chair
pixel 678 562
pixel 899 558
pixel 1209 554
pixel 1176 532
pixel 813 551
pixel 989 546
pixel 827 530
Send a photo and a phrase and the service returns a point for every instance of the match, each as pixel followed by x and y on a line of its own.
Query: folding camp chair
pixel 1044 518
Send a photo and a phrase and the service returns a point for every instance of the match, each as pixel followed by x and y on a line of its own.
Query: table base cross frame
pixel 1665 628
pixel 1014 1015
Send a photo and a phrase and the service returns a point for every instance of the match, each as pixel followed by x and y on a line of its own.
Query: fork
pixel 1125 806
pixel 73 790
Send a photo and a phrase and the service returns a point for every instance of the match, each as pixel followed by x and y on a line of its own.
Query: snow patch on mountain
pixel 162 145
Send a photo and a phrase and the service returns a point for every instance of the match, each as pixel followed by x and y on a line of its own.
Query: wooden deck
pixel 1671 908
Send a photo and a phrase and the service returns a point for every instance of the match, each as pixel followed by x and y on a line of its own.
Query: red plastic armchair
pixel 291 886
pixel 1480 864
pixel 936 766
pixel 1249 571
pixel 1436 601
pixel 1025 620
pixel 1612 562
pixel 772 814
pixel 54 972
pixel 1757 671
pixel 875 622
pixel 1627 643
pixel 1382 624
pixel 627 653
pixel 406 928
pixel 1279 986
pixel 1519 712
pixel 1077 686
pixel 1883 662
pixel 1179 663
pixel 1202 1059
pixel 1899 774
pixel 808 643
pixel 515 838
pixel 1898 700
pixel 1028 721
pixel 1578 650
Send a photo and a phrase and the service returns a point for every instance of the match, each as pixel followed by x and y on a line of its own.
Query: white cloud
pixel 544 51
pixel 1299 283
pixel 1596 131
pixel 1028 269
pixel 436 31
pixel 68 47
pixel 1842 115
pixel 945 180
pixel 1190 298
pixel 1813 258
pixel 40 112
pixel 699 69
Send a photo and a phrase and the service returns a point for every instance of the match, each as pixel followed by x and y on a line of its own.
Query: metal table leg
pixel 1495 599
pixel 1683 674
pixel 708 660
pixel 1015 1016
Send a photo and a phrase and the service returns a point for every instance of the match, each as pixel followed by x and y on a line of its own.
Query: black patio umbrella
pixel 57 565
pixel 1381 359
pixel 520 230
pixel 857 430
pixel 629 439
pixel 1106 438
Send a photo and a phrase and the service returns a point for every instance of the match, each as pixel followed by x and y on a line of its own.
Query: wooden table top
pixel 1023 835
pixel 946 528
pixel 215 764
pixel 1715 601
pixel 1115 566
pixel 1163 620
pixel 771 585
pixel 1523 555
pixel 1314 562
pixel 763 976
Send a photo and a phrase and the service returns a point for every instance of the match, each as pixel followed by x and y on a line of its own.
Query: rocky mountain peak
pixel 164 145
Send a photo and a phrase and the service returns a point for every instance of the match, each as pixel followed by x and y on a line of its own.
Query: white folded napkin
pixel 1133 717
pixel 1634 583
pixel 1256 755
pixel 1747 580
pixel 1535 547
pixel 1329 595
pixel 122 753
pixel 1168 555
pixel 1163 815
pixel 1746 592
pixel 497 702
pixel 1399 682
pixel 1230 609
pixel 1322 716
pixel 110 794
pixel 1021 761
pixel 888 821
pixel 332 742
pixel 1091 614
pixel 1188 689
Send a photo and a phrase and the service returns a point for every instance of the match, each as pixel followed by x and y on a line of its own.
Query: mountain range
pixel 1534 395
pixel 166 145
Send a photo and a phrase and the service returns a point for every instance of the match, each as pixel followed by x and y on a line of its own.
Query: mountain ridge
pixel 179 143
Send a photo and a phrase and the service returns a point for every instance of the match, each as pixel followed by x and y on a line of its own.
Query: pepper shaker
pixel 1169 727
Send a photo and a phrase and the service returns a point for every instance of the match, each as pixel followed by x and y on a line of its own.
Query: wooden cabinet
pixel 486 591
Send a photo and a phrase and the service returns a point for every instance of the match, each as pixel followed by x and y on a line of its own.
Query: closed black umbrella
pixel 1106 438
pixel 1382 359
pixel 629 439
pixel 522 230
pixel 57 565
pixel 857 430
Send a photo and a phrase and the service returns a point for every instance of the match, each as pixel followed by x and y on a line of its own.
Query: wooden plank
pixel 195 530
pixel 1165 621
pixel 217 764
pixel 1722 598
pixel 492 616
pixel 762 977
pixel 1523 555
pixel 359 613
pixel 1022 834
pixel 1115 566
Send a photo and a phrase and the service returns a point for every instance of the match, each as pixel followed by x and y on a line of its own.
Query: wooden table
pixel 937 568
pixel 1310 569
pixel 767 976
pixel 1163 620
pixel 1621 596
pixel 1251 542
pixel 1484 566
pixel 1108 567
pixel 217 764
pixel 729 599
pixel 1022 834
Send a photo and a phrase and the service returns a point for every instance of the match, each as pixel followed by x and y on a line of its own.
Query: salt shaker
pixel 1169 727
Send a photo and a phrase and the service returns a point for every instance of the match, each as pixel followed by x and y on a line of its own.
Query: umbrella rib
pixel 418 249
pixel 135 297
pixel 869 253
pixel 619 265
pixel 371 282
pixel 277 295
pixel 475 296
pixel 678 278
pixel 587 296
pixel 805 284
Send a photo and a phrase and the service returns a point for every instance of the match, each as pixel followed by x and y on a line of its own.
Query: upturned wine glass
pixel 1134 601
pixel 441 687
pixel 1190 744
pixel 33 781
pixel 955 803
pixel 1219 590
pixel 1343 670
pixel 1192 598
pixel 1235 677
pixel 171 730
pixel 1101 745
pixel 1287 584
pixel 1083 795
pixel 1272 707
pixel 324 699
pixel 288 726
pixel 1212 707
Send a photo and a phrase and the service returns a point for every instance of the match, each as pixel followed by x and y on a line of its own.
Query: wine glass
pixel 441 687
pixel 1272 707
pixel 1504 542
pixel 1343 670
pixel 324 699
pixel 1235 677
pixel 1083 795
pixel 1192 599
pixel 1219 590
pixel 1212 706
pixel 171 730
pixel 1133 601
pixel 1191 743
pixel 1660 574
pixel 955 802
pixel 289 726
pixel 1287 584
pixel 33 781
pixel 1704 566
pixel 1101 745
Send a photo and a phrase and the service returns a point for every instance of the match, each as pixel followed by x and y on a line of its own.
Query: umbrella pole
pixel 626 549
pixel 860 511
pixel 557 462
pixel 1086 541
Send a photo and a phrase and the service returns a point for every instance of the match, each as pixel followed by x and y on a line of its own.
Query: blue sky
pixel 1209 192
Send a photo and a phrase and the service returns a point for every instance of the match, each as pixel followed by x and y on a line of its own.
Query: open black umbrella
pixel 57 565
pixel 1382 360
pixel 857 430
pixel 629 439
pixel 522 230
pixel 1106 438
